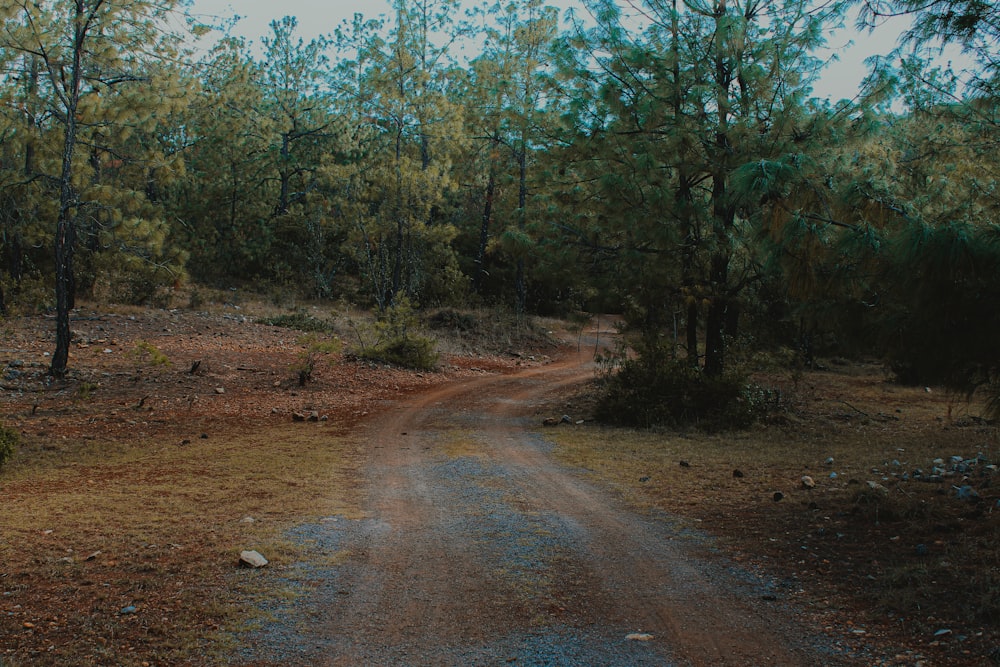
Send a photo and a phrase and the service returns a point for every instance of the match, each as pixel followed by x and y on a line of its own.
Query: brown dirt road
pixel 479 549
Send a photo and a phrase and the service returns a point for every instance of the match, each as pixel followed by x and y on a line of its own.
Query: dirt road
pixel 479 549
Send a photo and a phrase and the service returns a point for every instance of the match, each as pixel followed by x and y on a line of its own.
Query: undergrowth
pixel 393 339
pixel 658 389
pixel 300 321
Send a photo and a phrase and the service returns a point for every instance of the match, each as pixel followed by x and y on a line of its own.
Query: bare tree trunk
pixel 484 228
pixel 520 282
pixel 65 241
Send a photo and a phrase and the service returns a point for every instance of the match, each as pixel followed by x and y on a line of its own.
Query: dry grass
pixel 906 562
pixel 96 527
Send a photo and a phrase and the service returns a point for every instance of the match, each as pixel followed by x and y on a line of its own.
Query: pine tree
pixel 102 73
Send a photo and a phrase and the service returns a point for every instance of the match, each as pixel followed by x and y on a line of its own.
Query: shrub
pixel 315 348
pixel 145 353
pixel 656 390
pixel 396 342
pixel 449 319
pixel 411 352
pixel 9 440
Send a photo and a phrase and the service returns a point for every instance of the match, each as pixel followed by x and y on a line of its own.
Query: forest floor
pixel 173 445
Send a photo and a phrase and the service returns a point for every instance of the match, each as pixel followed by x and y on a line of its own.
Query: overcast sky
pixel 322 16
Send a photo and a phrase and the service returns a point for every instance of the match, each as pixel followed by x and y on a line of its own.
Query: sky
pixel 840 80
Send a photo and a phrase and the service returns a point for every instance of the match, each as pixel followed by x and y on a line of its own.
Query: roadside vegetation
pixel 374 207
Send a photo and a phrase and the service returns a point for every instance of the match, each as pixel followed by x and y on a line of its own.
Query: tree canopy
pixel 673 165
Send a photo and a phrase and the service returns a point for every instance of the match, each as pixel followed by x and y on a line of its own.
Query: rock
pixel 829 461
pixel 967 493
pixel 943 632
pixel 639 637
pixel 125 611
pixel 248 519
pixel 738 474
pixel 314 416
pixel 220 390
pixel 685 464
pixel 252 559
pixel 878 488
pixel 808 482
pixel 298 417
pixel 550 421
pixel 833 475
pixel 566 419
pixel 644 479
pixel 778 496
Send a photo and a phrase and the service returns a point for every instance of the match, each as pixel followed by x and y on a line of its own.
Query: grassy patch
pixel 907 555
pixel 156 527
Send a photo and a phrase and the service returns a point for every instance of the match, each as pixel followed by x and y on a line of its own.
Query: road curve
pixel 480 549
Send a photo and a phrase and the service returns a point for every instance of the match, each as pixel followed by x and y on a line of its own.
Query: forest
pixel 679 170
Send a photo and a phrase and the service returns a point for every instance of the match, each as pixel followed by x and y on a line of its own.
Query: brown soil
pixel 460 538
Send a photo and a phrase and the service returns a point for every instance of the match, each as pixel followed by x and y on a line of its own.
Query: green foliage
pixel 85 391
pixel 449 319
pixel 396 341
pixel 941 324
pixel 657 389
pixel 9 441
pixel 315 349
pixel 145 353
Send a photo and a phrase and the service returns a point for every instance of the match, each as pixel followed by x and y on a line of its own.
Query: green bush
pixel 414 352
pixel 9 440
pixel 396 342
pixel 671 392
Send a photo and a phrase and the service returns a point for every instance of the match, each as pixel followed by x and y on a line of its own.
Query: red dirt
pixel 425 581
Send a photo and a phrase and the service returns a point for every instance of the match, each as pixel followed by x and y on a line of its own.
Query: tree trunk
pixel 283 175
pixel 484 229
pixel 691 330
pixel 520 282
pixel 715 323
pixel 65 241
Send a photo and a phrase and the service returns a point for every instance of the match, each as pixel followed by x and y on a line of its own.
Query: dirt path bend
pixel 479 549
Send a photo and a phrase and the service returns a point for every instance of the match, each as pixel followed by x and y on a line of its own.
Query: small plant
pixel 9 440
pixel 315 349
pixel 395 340
pixel 145 353
pixel 86 390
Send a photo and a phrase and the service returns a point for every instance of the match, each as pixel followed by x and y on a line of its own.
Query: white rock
pixel 252 559
pixel 639 637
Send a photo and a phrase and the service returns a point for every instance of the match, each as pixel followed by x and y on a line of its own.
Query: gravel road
pixel 479 549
